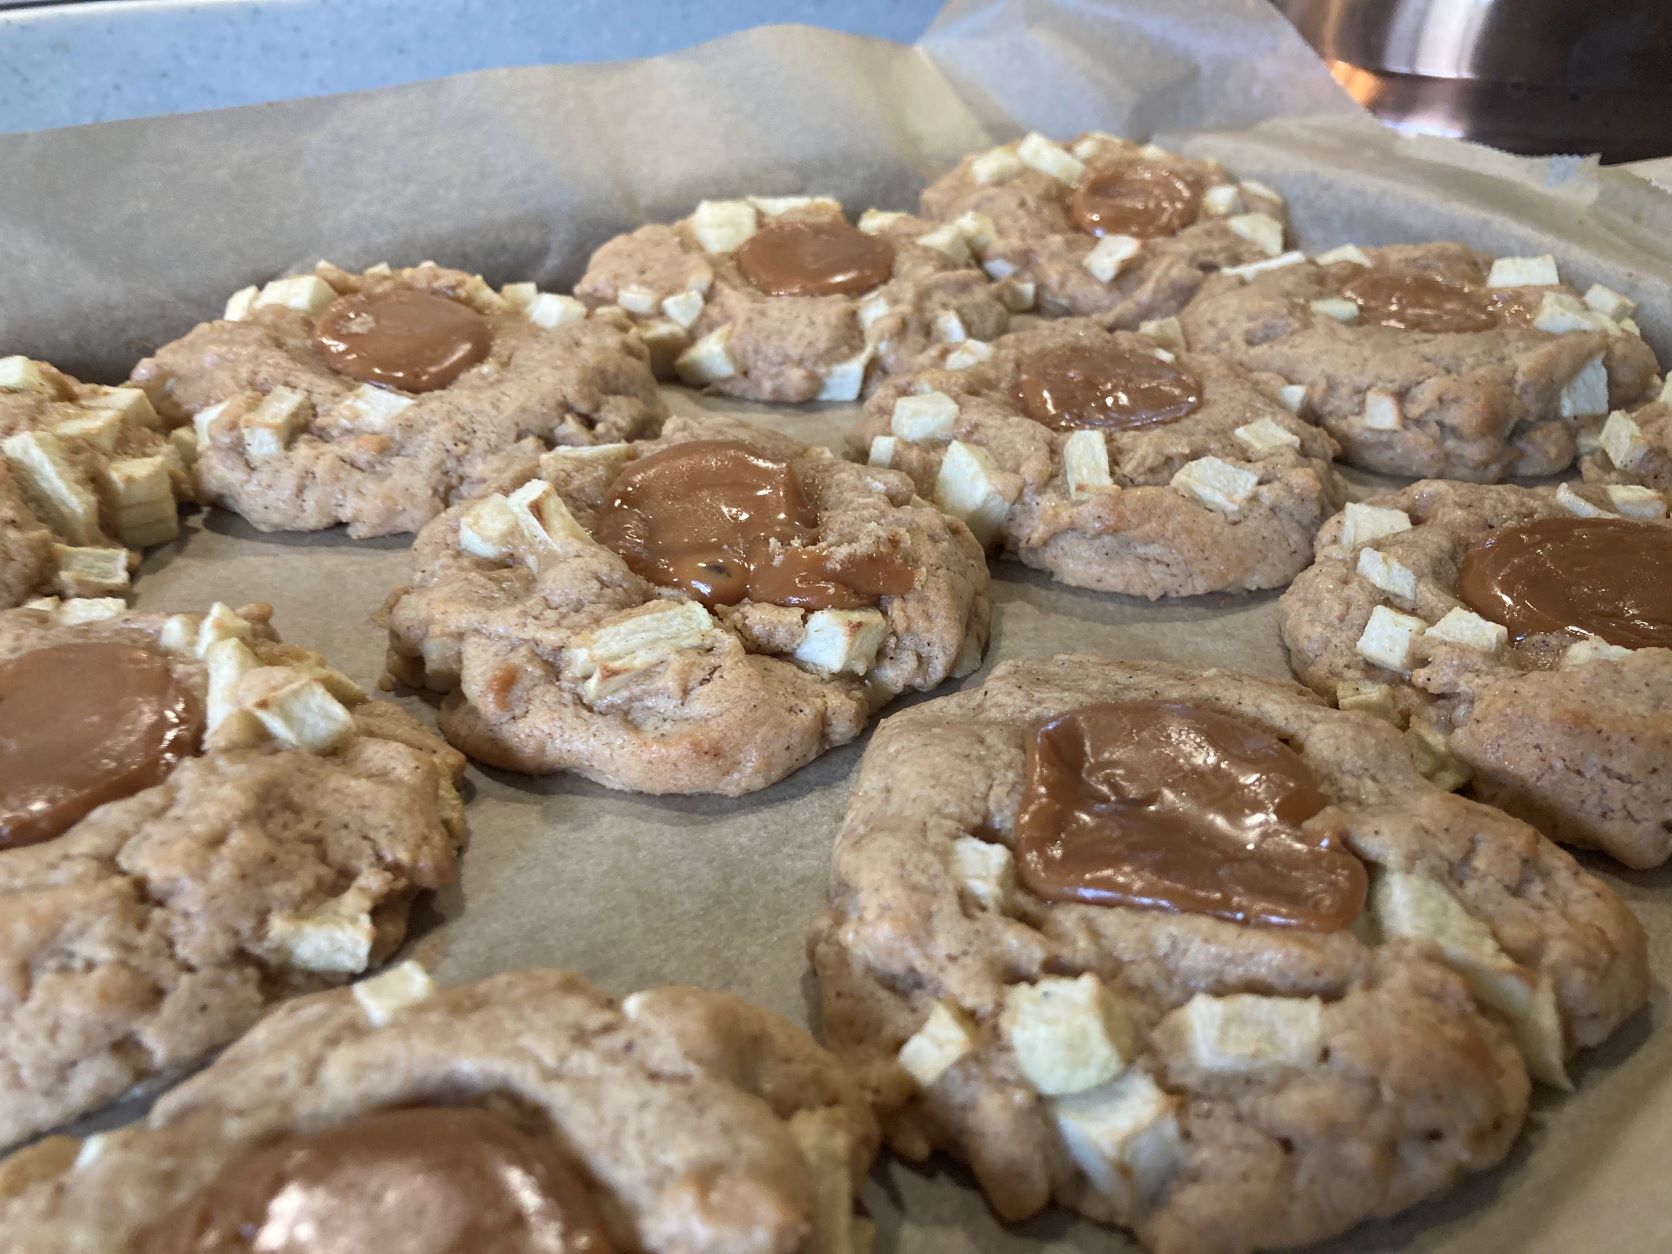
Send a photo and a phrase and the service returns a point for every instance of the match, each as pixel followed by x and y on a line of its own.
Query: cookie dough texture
pixel 1144 531
pixel 710 327
pixel 1631 448
pixel 294 446
pixel 703 1124
pixel 1479 405
pixel 1579 746
pixel 1367 1074
pixel 1015 201
pixel 727 702
pixel 162 925
pixel 87 476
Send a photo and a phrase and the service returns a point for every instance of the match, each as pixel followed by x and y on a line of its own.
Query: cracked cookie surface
pixel 679 1120
pixel 1430 359
pixel 1212 1085
pixel 1569 731
pixel 780 299
pixel 281 855
pixel 299 430
pixel 1188 478
pixel 558 655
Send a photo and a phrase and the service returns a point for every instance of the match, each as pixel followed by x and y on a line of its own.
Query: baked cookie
pixel 781 299
pixel 196 821
pixel 1431 359
pixel 1634 448
pixel 706 612
pixel 87 475
pixel 1104 227
pixel 527 1112
pixel 1523 634
pixel 376 399
pixel 1106 459
pixel 1195 954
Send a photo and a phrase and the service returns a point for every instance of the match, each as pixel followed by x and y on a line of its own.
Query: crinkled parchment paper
pixel 116 238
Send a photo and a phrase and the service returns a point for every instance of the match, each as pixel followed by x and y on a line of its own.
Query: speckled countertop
pixel 101 60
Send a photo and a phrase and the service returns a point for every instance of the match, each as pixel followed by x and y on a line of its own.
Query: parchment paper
pixel 118 237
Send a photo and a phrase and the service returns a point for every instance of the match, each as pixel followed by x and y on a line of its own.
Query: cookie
pixel 1631 449
pixel 196 821
pixel 706 612
pixel 1108 460
pixel 781 299
pixel 88 476
pixel 529 1111
pixel 1106 228
pixel 1430 359
pixel 1195 954
pixel 377 399
pixel 1523 636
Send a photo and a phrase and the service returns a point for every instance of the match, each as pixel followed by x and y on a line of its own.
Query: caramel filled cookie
pixel 529 1113
pixel 375 400
pixel 1430 359
pixel 1197 955
pixel 1524 638
pixel 1108 460
pixel 1104 228
pixel 705 612
pixel 88 476
pixel 196 822
pixel 782 299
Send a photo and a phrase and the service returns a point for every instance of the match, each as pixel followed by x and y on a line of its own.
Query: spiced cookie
pixel 1108 460
pixel 781 299
pixel 1431 359
pixel 706 612
pixel 196 821
pixel 1523 634
pixel 529 1111
pixel 1195 954
pixel 87 476
pixel 1104 227
pixel 377 399
pixel 1634 448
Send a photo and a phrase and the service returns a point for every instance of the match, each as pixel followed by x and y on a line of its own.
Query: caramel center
pixel 1419 302
pixel 421 1181
pixel 1167 806
pixel 1105 387
pixel 824 258
pixel 401 338
pixel 1134 199
pixel 727 524
pixel 83 724
pixel 1607 577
